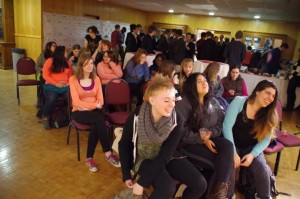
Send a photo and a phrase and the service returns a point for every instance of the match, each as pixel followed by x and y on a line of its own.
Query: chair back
pixel 117 92
pixel 26 66
pixel 279 113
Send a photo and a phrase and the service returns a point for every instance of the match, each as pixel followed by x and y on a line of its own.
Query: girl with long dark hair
pixel 203 119
pixel 56 72
pixel 249 124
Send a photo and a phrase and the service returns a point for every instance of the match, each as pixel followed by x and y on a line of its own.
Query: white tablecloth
pixel 200 66
pixel 129 55
pixel 281 84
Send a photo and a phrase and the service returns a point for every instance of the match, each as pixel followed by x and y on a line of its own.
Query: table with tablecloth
pixel 129 55
pixel 281 84
pixel 200 66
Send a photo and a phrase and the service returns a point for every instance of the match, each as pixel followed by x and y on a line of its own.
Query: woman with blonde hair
pixel 87 103
pixel 249 124
pixel 137 73
pixel 215 85
pixel 148 146
pixel 187 66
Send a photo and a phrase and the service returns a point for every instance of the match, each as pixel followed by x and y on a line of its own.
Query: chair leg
pixel 68 136
pixel 277 163
pixel 298 160
pixel 78 145
pixel 18 95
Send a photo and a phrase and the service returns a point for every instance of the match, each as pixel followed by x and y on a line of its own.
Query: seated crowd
pixel 200 113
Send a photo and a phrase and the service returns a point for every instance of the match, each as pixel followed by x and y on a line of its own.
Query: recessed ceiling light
pixel 211 13
pixel 256 17
pixel 171 11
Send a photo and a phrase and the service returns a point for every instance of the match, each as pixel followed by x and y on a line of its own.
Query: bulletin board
pixel 67 30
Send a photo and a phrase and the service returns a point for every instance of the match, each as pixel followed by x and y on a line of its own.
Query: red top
pixel 247 58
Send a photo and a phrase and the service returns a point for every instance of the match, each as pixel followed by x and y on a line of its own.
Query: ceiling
pixel 271 10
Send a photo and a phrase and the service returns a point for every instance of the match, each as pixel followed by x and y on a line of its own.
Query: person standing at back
pixel 115 41
pixel 132 40
pixel 209 48
pixel 179 47
pixel 274 64
pixel 149 42
pixel 91 41
pixel 236 51
pixel 163 43
pixel 190 46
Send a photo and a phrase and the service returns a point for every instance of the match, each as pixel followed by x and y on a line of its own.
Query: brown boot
pixel 219 191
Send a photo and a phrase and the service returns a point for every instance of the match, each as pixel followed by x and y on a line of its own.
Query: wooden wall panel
pixel 8 20
pixel 28 26
pixel 95 8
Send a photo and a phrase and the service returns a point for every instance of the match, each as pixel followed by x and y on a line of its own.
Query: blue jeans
pixel 50 99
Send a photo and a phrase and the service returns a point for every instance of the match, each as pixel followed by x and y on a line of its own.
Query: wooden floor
pixel 35 163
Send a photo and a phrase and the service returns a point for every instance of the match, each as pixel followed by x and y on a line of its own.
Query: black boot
pixel 219 191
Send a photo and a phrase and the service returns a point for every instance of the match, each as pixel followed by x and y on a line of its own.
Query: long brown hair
pixel 167 68
pixel 211 72
pixel 266 119
pixel 137 56
pixel 82 61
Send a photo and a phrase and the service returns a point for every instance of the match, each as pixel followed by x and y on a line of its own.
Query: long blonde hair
pixel 211 72
pixel 82 61
pixel 182 74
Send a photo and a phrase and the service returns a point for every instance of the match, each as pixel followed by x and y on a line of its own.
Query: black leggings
pixel 185 172
pixel 99 132
pixel 164 184
pixel 223 159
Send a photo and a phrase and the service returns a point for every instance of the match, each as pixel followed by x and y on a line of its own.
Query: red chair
pixel 117 93
pixel 25 66
pixel 287 139
pixel 78 127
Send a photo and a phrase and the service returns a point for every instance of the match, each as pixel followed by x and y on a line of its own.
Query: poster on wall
pixel 67 30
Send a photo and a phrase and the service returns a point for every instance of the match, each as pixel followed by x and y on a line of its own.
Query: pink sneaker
pixel 90 163
pixel 114 160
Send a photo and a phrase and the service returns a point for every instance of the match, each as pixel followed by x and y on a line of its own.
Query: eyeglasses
pixel 144 57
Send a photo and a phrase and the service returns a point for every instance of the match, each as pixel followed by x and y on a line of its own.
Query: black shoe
pixel 287 109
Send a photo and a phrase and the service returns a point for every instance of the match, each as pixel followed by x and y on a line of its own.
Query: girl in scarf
pixel 148 146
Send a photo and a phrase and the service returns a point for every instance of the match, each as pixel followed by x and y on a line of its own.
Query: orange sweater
pixel 54 78
pixel 82 99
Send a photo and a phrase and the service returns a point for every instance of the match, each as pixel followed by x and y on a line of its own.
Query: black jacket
pixel 148 44
pixel 152 167
pixel 132 43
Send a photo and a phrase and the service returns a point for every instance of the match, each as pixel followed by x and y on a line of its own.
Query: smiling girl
pixel 249 124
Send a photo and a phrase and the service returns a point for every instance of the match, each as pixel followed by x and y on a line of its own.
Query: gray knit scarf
pixel 154 133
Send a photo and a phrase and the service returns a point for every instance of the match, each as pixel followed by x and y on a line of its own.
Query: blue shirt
pixel 136 73
pixel 235 107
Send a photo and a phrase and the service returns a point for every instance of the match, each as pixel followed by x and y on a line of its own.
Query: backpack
pixel 59 118
pixel 246 186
